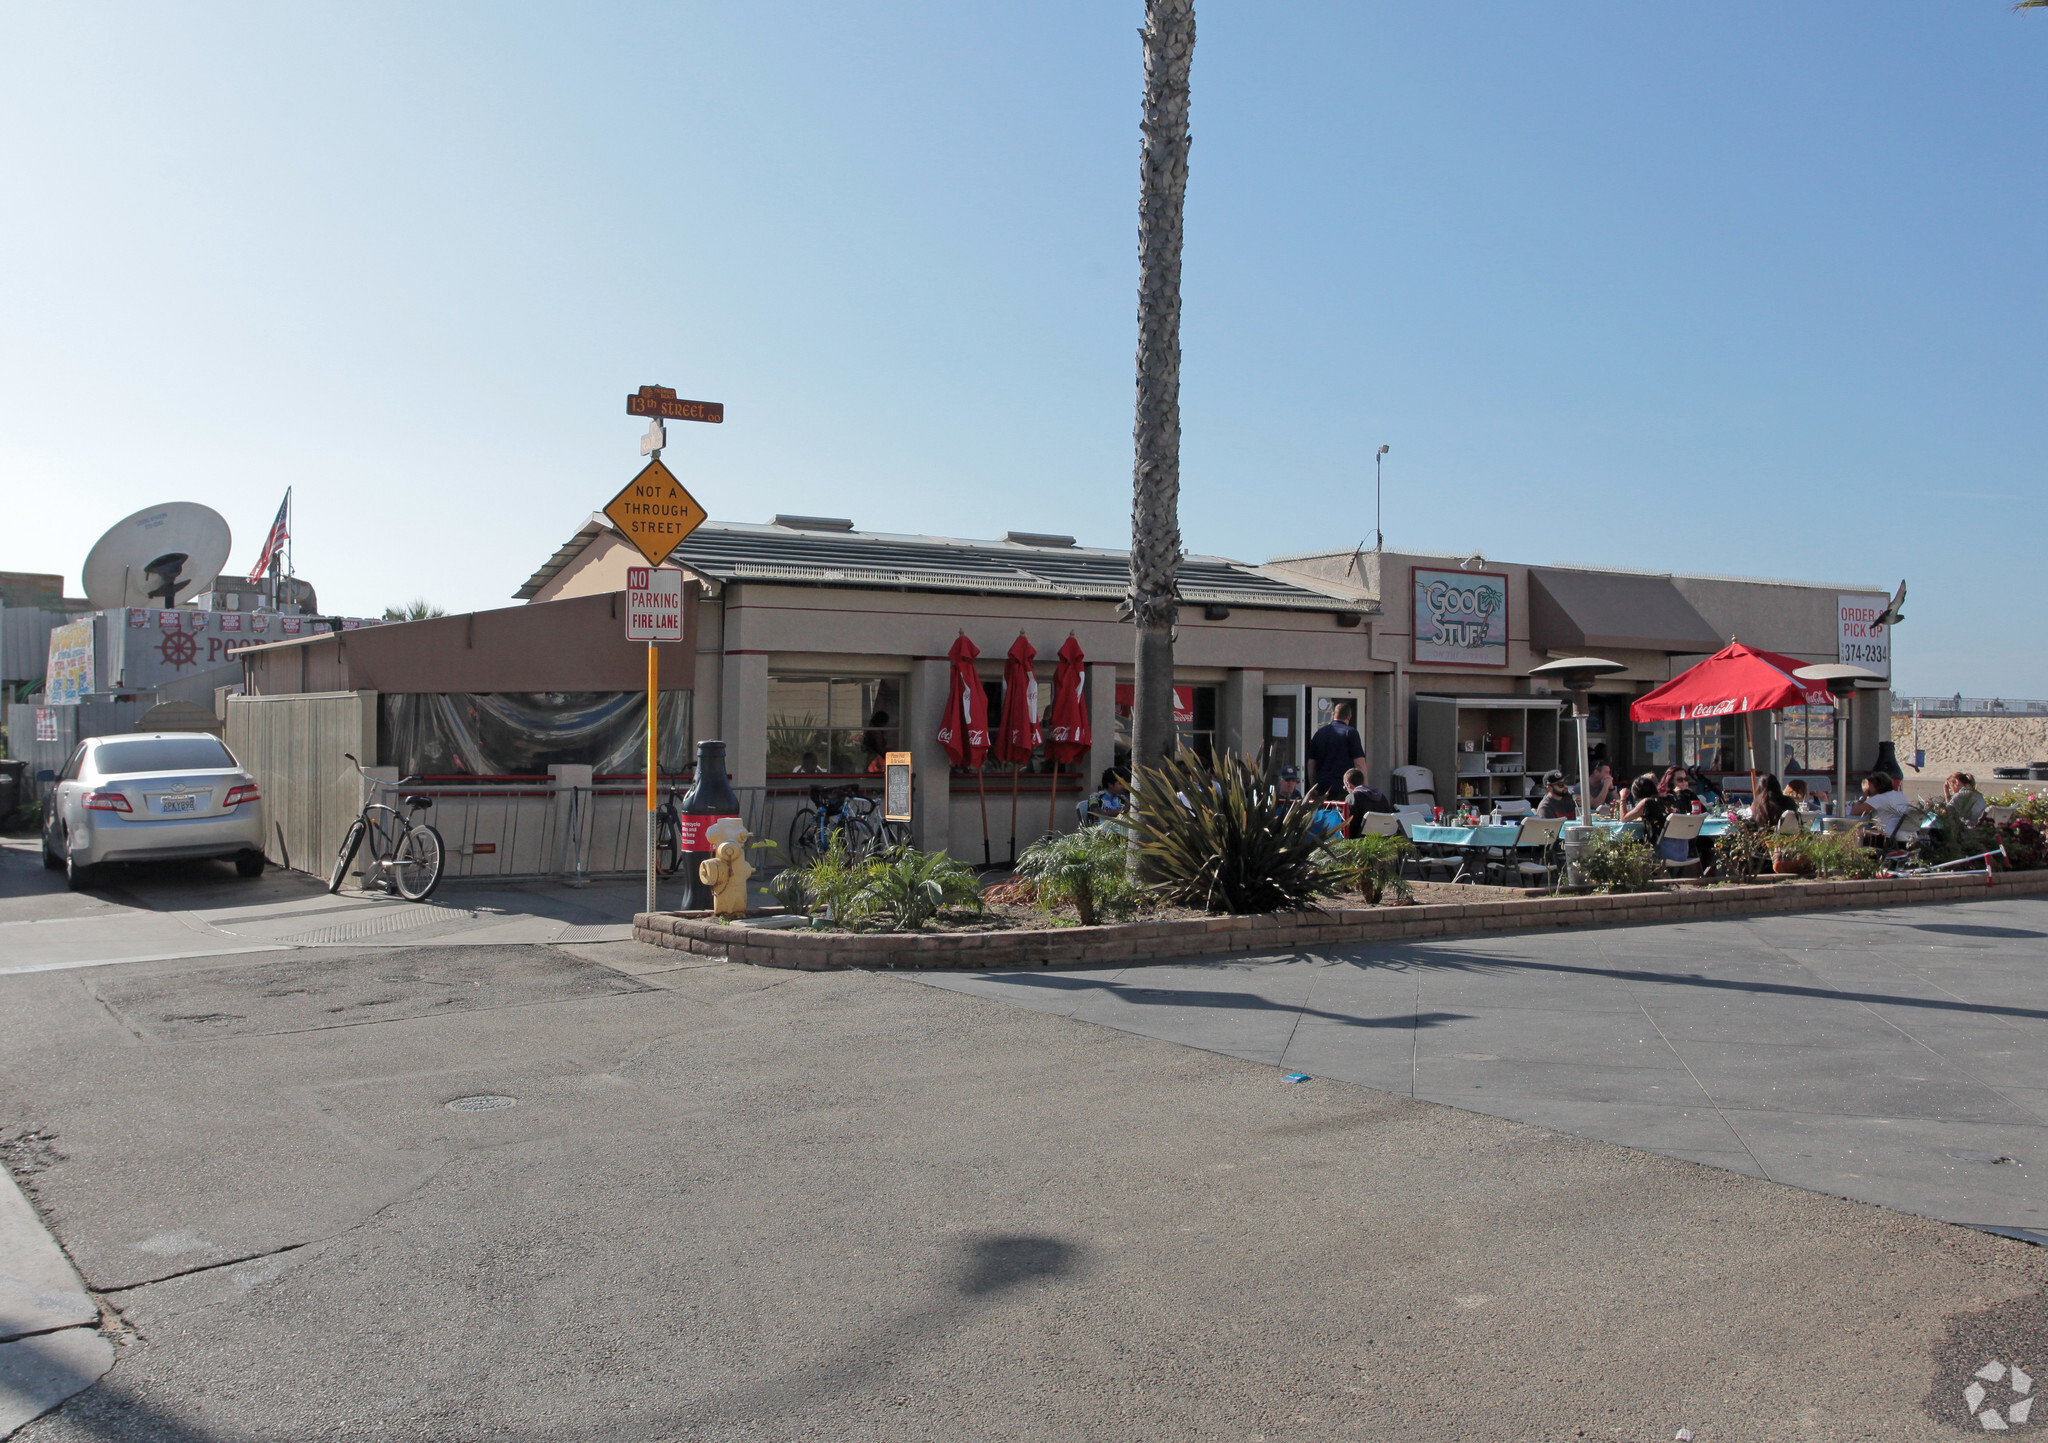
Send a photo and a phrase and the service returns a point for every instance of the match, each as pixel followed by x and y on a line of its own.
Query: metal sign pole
pixel 653 680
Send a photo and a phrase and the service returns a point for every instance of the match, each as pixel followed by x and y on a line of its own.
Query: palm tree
pixel 418 609
pixel 1155 478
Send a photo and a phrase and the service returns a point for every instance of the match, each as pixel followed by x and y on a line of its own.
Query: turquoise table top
pixel 1711 827
pixel 1503 836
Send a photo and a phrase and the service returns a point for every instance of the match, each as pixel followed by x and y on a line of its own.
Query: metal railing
pixel 1959 705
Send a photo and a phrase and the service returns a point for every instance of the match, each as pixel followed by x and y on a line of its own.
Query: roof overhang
pixel 1589 611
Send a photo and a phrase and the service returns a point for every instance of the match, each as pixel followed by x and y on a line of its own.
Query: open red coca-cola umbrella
pixel 1069 737
pixel 963 729
pixel 1733 680
pixel 1019 735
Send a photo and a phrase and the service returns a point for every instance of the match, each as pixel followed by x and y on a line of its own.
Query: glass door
pixel 1280 738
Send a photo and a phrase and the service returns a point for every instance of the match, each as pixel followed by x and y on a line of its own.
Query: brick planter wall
pixel 1122 943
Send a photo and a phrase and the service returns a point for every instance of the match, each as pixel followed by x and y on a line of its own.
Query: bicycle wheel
pixel 668 842
pixel 860 834
pixel 416 866
pixel 349 846
pixel 803 838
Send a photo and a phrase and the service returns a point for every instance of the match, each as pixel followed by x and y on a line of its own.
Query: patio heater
pixel 1842 681
pixel 1576 674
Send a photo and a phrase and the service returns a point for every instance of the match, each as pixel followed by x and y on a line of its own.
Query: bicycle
pixel 844 813
pixel 668 834
pixel 406 854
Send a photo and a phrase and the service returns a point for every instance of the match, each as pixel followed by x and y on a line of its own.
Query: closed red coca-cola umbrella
pixel 963 729
pixel 1018 736
pixel 1069 737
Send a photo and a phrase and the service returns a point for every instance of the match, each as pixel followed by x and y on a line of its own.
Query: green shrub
pixel 1619 862
pixel 1373 865
pixel 1949 836
pixel 1222 841
pixel 1740 853
pixel 898 889
pixel 1839 854
pixel 1088 870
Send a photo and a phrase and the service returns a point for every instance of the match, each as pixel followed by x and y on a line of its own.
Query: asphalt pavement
pixel 1895 1056
pixel 603 1191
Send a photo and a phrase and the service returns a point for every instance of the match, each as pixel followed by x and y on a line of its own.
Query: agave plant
pixel 1087 870
pixel 1222 840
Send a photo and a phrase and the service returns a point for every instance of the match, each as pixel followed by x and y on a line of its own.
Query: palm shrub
pixel 1949 835
pixel 1373 865
pixel 1088 870
pixel 898 889
pixel 1219 839
pixel 903 888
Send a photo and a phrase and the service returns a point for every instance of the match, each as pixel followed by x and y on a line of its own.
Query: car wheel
pixel 51 861
pixel 249 864
pixel 79 876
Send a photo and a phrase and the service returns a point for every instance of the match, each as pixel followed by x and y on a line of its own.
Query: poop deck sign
pixel 1461 617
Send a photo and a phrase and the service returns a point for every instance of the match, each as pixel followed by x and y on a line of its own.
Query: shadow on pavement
pixel 1233 1001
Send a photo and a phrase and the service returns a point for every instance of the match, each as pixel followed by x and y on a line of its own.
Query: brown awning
pixel 1585 611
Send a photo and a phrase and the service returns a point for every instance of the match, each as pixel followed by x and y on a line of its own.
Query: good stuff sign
pixel 1461 617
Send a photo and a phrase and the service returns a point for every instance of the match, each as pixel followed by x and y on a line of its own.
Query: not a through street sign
pixel 654 604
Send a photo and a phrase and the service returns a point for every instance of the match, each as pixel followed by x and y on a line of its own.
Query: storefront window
pixel 1808 734
pixel 1708 745
pixel 832 725
pixel 1194 721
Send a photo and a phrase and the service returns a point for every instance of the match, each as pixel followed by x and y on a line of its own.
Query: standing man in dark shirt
pixel 1334 750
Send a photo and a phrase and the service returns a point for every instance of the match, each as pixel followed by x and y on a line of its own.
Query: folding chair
pixel 1380 824
pixel 1683 828
pixel 1537 835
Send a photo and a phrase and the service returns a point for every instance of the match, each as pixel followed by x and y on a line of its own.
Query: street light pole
pixel 1379 539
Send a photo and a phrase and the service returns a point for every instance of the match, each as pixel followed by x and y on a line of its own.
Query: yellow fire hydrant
pixel 726 873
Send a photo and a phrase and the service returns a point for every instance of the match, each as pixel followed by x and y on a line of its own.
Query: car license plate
pixel 177 804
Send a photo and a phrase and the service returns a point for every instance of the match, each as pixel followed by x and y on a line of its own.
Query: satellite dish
pixel 160 556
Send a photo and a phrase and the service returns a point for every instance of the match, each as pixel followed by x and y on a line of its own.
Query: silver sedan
pixel 151 796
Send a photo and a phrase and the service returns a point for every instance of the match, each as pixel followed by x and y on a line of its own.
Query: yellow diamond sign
pixel 654 512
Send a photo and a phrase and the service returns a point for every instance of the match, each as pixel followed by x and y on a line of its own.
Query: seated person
pixel 1359 798
pixel 1111 799
pixel 1288 788
pixel 1556 800
pixel 1769 805
pixel 1961 791
pixel 1802 797
pixel 1645 806
pixel 1603 791
pixel 1885 805
pixel 808 766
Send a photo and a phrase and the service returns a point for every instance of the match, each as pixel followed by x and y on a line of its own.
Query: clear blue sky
pixel 1747 288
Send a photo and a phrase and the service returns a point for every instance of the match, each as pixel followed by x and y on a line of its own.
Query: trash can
pixel 1575 840
pixel 13 787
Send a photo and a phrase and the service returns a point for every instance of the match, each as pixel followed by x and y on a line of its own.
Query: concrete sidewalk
pixel 202 909
pixel 1897 1057
pixel 611 1193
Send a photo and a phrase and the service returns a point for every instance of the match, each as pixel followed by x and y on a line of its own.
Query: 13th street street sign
pixel 654 604
pixel 654 512
pixel 661 401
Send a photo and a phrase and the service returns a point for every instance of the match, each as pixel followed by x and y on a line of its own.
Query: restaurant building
pixel 820 646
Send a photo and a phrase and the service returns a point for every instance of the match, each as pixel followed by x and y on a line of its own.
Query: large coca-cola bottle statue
pixel 710 814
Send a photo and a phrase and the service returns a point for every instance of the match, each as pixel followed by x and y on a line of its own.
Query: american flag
pixel 280 530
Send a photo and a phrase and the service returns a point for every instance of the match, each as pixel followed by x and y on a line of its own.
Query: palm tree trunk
pixel 1155 479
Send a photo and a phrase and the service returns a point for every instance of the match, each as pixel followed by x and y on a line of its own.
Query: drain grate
pixel 485 1103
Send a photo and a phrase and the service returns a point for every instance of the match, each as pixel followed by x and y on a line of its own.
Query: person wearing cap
pixel 1288 788
pixel 1557 801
